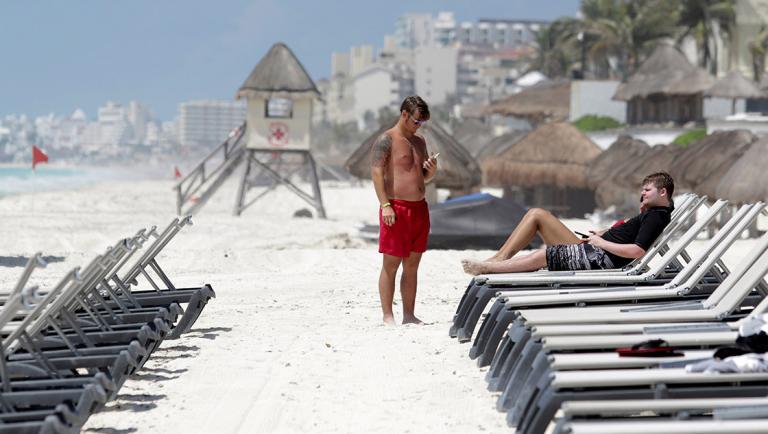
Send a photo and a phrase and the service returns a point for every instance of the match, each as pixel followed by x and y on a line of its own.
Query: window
pixel 279 108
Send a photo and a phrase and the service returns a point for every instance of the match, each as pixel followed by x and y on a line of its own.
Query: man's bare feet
pixel 473 267
pixel 389 320
pixel 410 319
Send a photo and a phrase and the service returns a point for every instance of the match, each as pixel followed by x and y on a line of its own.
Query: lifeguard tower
pixel 280 94
pixel 274 142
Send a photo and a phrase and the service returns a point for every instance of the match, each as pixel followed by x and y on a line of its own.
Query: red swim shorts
pixel 410 231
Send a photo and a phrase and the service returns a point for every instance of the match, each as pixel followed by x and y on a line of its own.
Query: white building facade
pixel 207 123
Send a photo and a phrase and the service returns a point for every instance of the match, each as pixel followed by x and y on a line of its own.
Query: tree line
pixel 610 38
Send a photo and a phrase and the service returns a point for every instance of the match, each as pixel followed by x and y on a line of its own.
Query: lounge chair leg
pixel 483 297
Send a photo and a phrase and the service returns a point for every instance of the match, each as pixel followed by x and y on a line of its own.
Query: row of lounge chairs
pixel 68 349
pixel 551 338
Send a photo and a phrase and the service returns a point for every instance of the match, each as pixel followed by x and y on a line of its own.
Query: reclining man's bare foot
pixel 473 267
pixel 389 320
pixel 412 320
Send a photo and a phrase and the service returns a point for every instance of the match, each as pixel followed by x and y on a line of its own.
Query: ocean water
pixel 14 180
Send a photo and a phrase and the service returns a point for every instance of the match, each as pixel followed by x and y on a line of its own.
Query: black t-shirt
pixel 642 229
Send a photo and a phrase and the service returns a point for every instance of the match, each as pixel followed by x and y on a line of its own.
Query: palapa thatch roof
pixel 666 71
pixel 547 100
pixel 497 145
pixel 456 167
pixel 278 71
pixel 747 179
pixel 699 167
pixel 555 154
pixel 657 158
pixel 472 134
pixel 734 86
pixel 603 172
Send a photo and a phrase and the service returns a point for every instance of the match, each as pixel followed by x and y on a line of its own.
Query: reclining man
pixel 611 248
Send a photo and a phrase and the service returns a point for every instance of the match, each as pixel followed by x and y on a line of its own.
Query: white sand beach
pixel 294 341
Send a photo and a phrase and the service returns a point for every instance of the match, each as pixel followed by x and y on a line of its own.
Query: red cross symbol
pixel 278 134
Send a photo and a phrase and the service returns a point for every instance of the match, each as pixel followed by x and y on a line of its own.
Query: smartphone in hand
pixel 581 234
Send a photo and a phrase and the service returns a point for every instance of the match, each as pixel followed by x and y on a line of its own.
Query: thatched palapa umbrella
pixel 735 86
pixel 666 71
pixel 657 158
pixel 747 179
pixel 666 87
pixel 546 101
pixel 700 165
pixel 472 134
pixel 498 145
pixel 610 166
pixel 555 154
pixel 457 169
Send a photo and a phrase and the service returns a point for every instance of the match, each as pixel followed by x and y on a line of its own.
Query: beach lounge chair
pixel 73 329
pixel 720 415
pixel 536 413
pixel 521 345
pixel 696 341
pixel 163 290
pixel 688 284
pixel 484 288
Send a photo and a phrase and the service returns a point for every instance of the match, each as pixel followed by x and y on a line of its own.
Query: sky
pixel 56 56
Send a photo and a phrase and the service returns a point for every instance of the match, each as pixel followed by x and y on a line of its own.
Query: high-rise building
pixel 414 30
pixel 360 59
pixel 138 115
pixel 340 64
pixel 207 123
pixel 114 128
pixel 435 73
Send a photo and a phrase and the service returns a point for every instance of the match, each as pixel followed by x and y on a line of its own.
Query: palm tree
pixel 704 21
pixel 555 48
pixel 758 48
pixel 624 31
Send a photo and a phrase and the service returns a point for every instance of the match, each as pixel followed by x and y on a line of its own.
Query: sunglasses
pixel 417 122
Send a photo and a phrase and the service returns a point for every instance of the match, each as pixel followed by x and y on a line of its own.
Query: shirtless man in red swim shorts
pixel 399 167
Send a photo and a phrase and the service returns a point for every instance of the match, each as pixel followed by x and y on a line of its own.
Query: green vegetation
pixel 690 136
pixel 613 37
pixel 590 123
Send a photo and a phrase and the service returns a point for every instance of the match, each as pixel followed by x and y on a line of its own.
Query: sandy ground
pixel 293 341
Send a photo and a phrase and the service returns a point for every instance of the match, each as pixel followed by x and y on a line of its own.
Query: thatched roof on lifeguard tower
pixel 747 179
pixel 666 71
pixel 547 100
pixel 554 154
pixel 457 169
pixel 735 86
pixel 279 71
pixel 699 167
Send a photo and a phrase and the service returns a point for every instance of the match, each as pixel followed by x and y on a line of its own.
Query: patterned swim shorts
pixel 565 257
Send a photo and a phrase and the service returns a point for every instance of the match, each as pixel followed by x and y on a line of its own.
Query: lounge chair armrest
pixel 687 328
pixel 686 305
pixel 746 412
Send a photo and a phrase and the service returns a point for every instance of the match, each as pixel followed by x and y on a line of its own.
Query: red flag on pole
pixel 176 172
pixel 38 156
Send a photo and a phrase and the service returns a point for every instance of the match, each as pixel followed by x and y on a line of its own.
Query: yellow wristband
pixel 384 205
